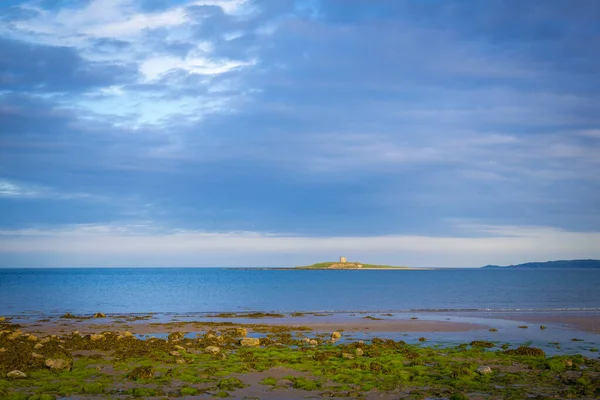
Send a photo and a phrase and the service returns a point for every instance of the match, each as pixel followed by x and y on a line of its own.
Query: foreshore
pixel 299 355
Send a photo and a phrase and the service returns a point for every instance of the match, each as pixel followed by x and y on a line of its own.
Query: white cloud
pixel 145 244
pixel 12 189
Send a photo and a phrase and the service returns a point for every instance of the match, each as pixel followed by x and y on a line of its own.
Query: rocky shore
pixel 87 357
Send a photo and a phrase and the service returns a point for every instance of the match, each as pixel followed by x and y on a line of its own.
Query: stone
pixel 16 374
pixel 59 364
pixel 2 349
pixel 178 347
pixel 484 370
pixel 568 363
pixel 95 337
pixel 176 336
pixel 127 334
pixel 33 338
pixel 38 346
pixel 175 353
pixel 13 335
pixel 313 342
pixel 36 355
pixel 2 319
pixel 212 349
pixel 99 315
pixel 359 352
pixel 347 356
pixel 336 335
pixel 241 332
pixel 180 361
pixel 250 342
pixel 210 336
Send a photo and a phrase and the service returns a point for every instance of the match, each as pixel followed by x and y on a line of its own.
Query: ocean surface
pixel 200 290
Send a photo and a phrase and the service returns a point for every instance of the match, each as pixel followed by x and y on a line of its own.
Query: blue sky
pixel 274 133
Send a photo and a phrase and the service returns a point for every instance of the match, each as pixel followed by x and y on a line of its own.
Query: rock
pixel 16 374
pixel 46 339
pixel 250 342
pixel 13 335
pixel 484 370
pixel 212 349
pixel 359 352
pixel 99 315
pixel 313 342
pixel 59 364
pixel 180 361
pixel 336 335
pixel 33 338
pixel 127 334
pixel 2 319
pixel 2 349
pixel 306 340
pixel 176 336
pixel 178 347
pixel 38 346
pixel 347 356
pixel 568 363
pixel 95 337
pixel 175 353
pixel 210 336
pixel 36 355
pixel 75 333
pixel 241 332
pixel 361 342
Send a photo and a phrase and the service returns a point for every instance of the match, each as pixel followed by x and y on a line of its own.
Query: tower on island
pixel 343 260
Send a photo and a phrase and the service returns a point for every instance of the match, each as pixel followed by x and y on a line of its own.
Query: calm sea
pixel 184 290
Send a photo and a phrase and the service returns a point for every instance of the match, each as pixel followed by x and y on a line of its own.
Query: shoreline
pixel 310 356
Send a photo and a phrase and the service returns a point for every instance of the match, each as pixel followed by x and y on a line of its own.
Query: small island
pixel 343 263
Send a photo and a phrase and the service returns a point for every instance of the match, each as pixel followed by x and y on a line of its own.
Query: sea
pixel 84 291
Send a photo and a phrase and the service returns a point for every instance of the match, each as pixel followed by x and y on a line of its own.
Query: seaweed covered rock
pixel 141 373
pixel 16 374
pixel 59 364
pixel 250 342
pixel 241 332
pixel 526 351
pixel 99 315
pixel 175 336
pixel 482 344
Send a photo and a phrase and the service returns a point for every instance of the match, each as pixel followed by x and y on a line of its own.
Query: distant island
pixel 343 263
pixel 552 264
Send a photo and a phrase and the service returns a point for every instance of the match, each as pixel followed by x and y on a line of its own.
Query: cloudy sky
pixel 280 132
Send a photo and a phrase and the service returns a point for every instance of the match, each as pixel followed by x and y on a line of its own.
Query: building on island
pixel 343 260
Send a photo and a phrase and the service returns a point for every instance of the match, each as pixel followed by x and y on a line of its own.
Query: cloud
pixel 145 245
pixel 18 190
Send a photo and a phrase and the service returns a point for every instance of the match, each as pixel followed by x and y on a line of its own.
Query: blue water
pixel 164 290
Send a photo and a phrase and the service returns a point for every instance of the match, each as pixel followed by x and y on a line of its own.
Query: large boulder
pixel 59 364
pixel 250 342
pixel 16 374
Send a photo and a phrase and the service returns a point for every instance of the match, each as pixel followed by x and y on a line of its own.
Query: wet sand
pixel 61 326
pixel 589 322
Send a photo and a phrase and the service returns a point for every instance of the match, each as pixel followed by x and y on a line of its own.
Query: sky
pixel 286 132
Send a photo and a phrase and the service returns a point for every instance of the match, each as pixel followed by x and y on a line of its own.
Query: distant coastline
pixel 560 264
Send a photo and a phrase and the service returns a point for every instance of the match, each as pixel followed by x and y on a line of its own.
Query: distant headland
pixel 552 264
